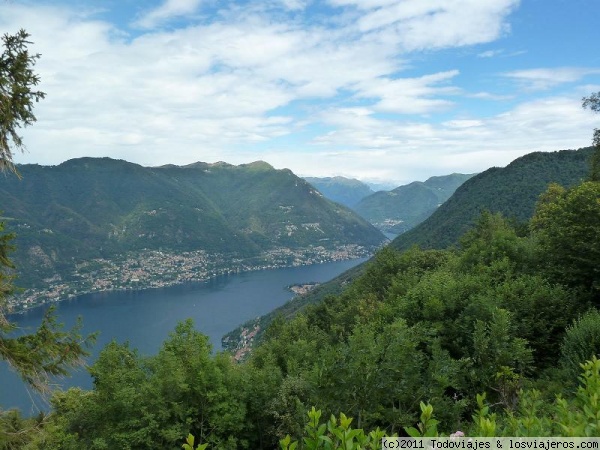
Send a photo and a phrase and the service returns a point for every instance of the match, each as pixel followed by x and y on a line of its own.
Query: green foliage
pixel 493 240
pixel 577 416
pixel 18 432
pixel 144 402
pixel 337 433
pixel 483 422
pixel 581 341
pixel 567 224
pixel 580 416
pixel 189 444
pixel 427 426
pixel 17 94
pixel 497 350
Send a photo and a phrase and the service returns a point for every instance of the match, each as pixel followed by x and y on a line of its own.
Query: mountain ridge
pixel 347 191
pixel 444 227
pixel 95 208
pixel 512 190
pixel 400 209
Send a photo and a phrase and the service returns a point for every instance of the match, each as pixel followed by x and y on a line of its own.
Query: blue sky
pixel 396 90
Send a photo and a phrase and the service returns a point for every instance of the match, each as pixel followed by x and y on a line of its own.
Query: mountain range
pixel 99 207
pixel 513 191
pixel 404 207
pixel 347 191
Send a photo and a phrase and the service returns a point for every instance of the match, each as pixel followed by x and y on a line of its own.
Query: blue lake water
pixel 145 318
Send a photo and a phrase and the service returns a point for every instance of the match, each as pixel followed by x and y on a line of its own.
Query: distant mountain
pixel 346 191
pixel 381 186
pixel 97 208
pixel 513 191
pixel 400 209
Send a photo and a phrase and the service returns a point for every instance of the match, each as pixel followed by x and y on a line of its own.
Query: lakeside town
pixel 156 269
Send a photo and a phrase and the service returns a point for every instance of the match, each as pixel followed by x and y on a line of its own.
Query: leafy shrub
pixel 581 342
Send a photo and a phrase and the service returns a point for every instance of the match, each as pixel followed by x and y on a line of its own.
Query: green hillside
pixel 512 191
pixel 347 191
pixel 97 208
pixel 400 209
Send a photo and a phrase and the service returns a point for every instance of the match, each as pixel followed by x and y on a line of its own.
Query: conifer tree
pixel 50 350
pixel 17 94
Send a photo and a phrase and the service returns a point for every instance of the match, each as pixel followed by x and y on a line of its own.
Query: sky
pixel 379 90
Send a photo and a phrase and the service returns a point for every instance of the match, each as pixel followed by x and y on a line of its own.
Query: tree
pixel 581 342
pixel 49 351
pixel 17 94
pixel 567 225
pixel 593 102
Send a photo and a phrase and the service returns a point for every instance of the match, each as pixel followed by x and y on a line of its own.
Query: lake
pixel 145 318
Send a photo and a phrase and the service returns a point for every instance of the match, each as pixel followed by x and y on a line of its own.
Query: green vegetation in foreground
pixel 502 315
pixel 580 418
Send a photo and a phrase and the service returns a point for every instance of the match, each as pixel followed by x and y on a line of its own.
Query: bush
pixel 581 342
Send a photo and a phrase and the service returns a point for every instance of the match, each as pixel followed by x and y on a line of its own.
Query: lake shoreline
pixel 146 318
pixel 21 309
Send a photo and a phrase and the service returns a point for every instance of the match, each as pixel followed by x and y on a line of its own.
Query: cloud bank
pixel 332 88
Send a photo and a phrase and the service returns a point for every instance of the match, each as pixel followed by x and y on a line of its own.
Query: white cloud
pixel 409 95
pixel 546 78
pixel 489 53
pixel 402 151
pixel 168 10
pixel 294 5
pixel 265 82
pixel 426 24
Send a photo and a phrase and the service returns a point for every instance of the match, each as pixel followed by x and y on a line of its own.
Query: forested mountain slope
pixel 96 208
pixel 400 209
pixel 347 191
pixel 513 191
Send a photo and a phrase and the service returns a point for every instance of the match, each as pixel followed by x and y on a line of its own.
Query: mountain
pixel 346 191
pixel 380 186
pixel 91 208
pixel 513 191
pixel 400 209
